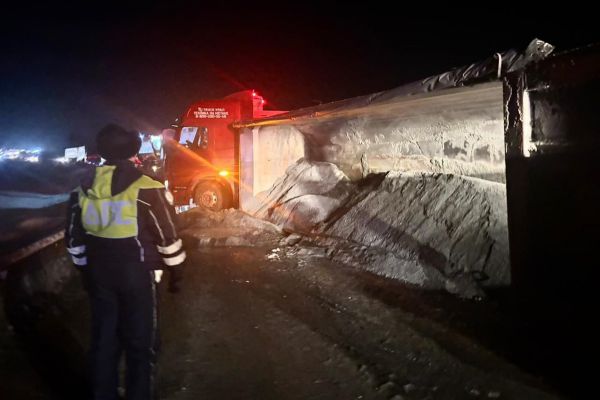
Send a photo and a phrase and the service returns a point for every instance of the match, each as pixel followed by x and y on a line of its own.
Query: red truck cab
pixel 202 157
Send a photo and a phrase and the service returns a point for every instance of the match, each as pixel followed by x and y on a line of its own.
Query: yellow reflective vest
pixel 112 217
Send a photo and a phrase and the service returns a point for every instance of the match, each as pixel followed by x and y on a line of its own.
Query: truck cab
pixel 202 156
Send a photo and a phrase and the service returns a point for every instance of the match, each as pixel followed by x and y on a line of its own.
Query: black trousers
pixel 124 318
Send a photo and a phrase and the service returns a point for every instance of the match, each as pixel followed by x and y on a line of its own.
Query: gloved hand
pixel 175 278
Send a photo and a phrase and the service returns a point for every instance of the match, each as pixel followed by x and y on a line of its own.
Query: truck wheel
pixel 212 196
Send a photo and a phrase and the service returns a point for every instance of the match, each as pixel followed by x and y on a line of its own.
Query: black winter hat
pixel 114 142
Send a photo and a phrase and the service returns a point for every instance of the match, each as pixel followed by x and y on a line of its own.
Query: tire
pixel 212 196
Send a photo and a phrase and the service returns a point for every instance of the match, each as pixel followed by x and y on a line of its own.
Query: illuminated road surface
pixel 249 327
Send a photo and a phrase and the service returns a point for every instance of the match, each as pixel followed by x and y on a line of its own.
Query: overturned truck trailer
pixel 440 143
pixel 451 122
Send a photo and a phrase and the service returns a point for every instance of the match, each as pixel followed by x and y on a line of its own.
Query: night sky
pixel 65 73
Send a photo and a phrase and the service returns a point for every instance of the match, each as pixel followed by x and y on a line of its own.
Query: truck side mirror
pixel 203 139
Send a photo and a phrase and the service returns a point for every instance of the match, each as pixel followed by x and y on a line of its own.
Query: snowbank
pixel 307 194
pixel 453 223
pixel 437 231
pixel 433 230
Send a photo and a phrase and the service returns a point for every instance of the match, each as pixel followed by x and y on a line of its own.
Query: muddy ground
pixel 266 322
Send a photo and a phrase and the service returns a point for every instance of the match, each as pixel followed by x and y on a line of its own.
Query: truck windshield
pixel 188 135
pixel 194 137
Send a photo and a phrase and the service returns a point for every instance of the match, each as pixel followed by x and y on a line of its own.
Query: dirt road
pixel 255 324
pixel 263 323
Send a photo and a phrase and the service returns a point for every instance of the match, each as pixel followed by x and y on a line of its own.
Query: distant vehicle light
pixel 223 173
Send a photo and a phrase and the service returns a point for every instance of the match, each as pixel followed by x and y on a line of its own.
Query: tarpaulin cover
pixel 491 69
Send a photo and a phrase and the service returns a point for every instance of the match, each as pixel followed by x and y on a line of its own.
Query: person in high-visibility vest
pixel 121 234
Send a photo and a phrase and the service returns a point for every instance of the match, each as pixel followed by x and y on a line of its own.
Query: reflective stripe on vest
pixel 112 217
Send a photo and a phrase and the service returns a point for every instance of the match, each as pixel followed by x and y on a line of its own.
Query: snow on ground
pixel 10 199
pixel 43 177
pixel 438 231
pixel 454 224
pixel 226 228
pixel 304 196
pixel 32 202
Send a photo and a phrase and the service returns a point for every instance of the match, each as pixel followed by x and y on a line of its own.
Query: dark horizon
pixel 67 73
